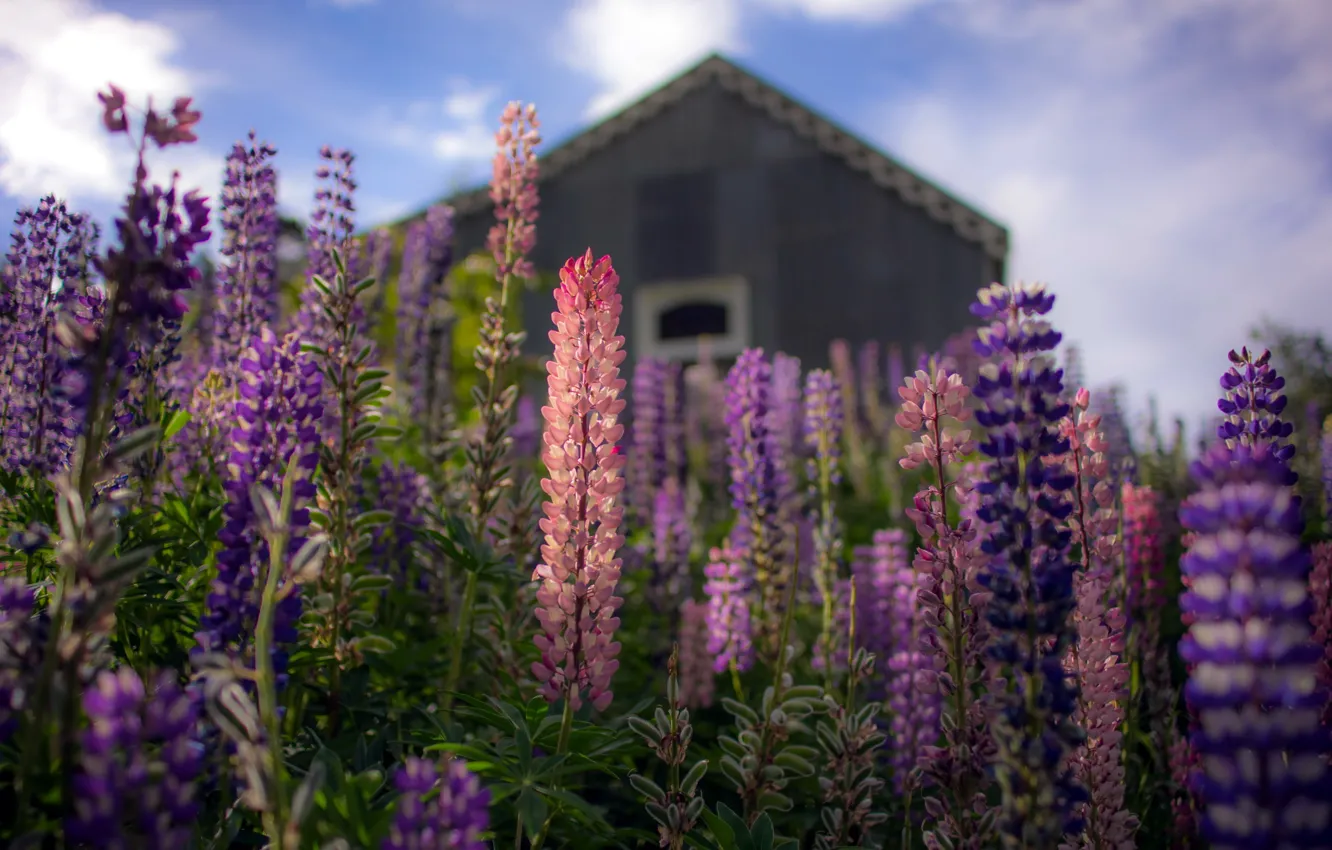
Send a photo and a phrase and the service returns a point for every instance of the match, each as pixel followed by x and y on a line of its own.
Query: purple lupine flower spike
pixel 22 637
pixel 1029 571
pixel 454 820
pixel 277 415
pixel 331 226
pixel 1263 776
pixel 247 286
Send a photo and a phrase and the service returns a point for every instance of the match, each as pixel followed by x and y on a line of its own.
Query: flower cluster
pixel 277 412
pixel 729 591
pixel 48 248
pixel 1025 500
pixel 580 567
pixel 1252 404
pixel 455 819
pixel 21 638
pixel 138 764
pixel 513 190
pixel 331 227
pixel 404 493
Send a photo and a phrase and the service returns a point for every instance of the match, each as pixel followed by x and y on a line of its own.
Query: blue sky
pixel 1162 164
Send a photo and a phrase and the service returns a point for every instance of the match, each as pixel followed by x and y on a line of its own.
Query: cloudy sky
pixel 1165 165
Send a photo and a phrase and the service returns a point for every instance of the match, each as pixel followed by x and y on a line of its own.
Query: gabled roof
pixel 831 139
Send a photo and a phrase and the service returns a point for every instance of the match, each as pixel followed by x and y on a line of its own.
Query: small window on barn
pixel 692 319
pixel 672 318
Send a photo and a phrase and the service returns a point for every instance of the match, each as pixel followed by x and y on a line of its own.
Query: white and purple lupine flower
pixel 138 766
pixel 1024 499
pixel 277 413
pixel 1263 775
pixel 455 819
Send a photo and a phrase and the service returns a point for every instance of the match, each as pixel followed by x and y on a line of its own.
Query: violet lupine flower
pixel 1320 587
pixel 526 431
pixel 647 454
pixel 404 493
pixel 907 675
pixel 878 569
pixel 1263 779
pixel 822 431
pixel 857 455
pixel 453 820
pixel 138 764
pixel 1252 404
pixel 1326 451
pixel 753 485
pixel 698 679
pixel 672 540
pixel 729 589
pixel 705 415
pixel 22 637
pixel 247 285
pixel 1030 573
pixel 35 419
pixel 580 567
pixel 331 226
pixel 425 351
pixel 277 415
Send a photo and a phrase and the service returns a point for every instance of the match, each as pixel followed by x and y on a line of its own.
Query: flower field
pixel 270 577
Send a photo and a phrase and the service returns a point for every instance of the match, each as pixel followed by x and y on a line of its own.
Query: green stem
pixel 275 817
pixel 462 635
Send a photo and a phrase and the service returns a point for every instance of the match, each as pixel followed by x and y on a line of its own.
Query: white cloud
pixel 54 57
pixel 846 11
pixel 459 127
pixel 1159 166
pixel 630 46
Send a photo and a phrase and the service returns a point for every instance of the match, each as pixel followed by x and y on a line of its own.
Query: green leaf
pixel 532 811
pixel 737 825
pixel 721 830
pixel 178 420
pixel 761 834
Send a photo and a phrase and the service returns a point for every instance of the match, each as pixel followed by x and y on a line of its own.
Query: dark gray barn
pixel 731 210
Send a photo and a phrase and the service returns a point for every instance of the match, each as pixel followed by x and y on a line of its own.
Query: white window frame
pixel 653 299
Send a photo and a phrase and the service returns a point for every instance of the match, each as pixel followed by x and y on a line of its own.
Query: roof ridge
pixel 830 138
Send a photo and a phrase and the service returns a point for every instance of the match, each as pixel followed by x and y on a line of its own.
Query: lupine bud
pixel 580 566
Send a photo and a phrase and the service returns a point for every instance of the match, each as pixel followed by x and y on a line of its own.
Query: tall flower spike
pixel 754 485
pixel 580 566
pixel 822 429
pixel 1096 659
pixel 35 418
pixel 952 605
pixel 1026 502
pixel 331 226
pixel 247 294
pixel 277 415
pixel 513 190
pixel 425 321
pixel 1320 586
pixel 1263 777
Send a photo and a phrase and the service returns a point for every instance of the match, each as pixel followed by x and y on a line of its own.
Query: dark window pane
pixel 677 226
pixel 692 320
